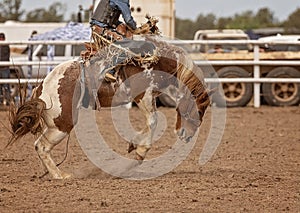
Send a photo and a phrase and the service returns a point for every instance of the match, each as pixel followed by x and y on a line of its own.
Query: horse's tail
pixel 28 117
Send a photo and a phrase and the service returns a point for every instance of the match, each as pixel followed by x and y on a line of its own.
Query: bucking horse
pixel 51 113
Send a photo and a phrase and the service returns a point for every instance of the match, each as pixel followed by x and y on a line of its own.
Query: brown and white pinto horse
pixel 49 112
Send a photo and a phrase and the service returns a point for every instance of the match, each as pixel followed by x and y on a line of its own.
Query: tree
pixel 292 23
pixel 55 13
pixel 223 23
pixel 248 20
pixel 244 20
pixel 10 10
pixel 265 18
pixel 205 21
pixel 36 15
pixel 184 28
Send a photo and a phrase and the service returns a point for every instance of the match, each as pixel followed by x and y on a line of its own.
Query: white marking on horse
pixel 50 93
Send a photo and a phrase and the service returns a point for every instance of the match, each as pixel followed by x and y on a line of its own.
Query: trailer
pixel 241 93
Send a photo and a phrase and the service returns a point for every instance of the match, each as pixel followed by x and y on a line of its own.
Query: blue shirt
pixel 124 7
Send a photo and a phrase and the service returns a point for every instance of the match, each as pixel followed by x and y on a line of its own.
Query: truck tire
pixel 282 94
pixel 235 94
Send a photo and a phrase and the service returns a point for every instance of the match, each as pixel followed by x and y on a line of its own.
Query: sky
pixel 191 8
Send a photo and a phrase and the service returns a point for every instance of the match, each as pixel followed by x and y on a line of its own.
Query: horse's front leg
pixel 44 144
pixel 143 141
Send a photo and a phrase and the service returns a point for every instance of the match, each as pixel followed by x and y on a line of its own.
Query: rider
pixel 106 16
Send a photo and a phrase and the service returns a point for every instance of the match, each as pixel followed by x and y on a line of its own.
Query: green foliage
pixel 264 18
pixel 293 20
pixel 184 28
pixel 11 10
pixel 55 13
pixel 205 21
pixel 248 20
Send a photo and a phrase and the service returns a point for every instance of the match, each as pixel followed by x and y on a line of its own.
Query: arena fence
pixel 256 62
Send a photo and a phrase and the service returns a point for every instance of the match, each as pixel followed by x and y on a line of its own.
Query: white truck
pixel 240 94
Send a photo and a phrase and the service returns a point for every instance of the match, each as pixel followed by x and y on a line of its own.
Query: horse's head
pixel 190 111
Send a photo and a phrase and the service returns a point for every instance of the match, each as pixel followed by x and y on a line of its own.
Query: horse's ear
pixel 211 91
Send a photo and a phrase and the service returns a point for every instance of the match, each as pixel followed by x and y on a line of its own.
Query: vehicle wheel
pixel 282 94
pixel 236 94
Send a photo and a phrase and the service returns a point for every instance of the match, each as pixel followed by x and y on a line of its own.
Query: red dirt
pixel 256 168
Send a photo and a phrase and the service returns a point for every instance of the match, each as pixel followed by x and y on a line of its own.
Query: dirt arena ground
pixel 256 168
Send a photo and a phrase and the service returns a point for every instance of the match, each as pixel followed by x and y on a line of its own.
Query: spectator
pixel 4 72
pixel 50 56
pixel 29 49
pixel 79 14
pixel 218 49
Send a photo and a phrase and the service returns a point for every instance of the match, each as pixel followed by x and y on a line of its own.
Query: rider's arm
pixel 124 6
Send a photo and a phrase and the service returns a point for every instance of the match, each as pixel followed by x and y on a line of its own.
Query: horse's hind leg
pixel 44 144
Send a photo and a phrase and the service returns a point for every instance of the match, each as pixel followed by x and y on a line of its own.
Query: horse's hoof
pixel 62 176
pixel 139 157
pixel 66 175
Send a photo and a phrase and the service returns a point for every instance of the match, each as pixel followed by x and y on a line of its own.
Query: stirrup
pixel 110 77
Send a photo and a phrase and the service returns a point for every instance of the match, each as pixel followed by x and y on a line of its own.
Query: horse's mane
pixel 187 72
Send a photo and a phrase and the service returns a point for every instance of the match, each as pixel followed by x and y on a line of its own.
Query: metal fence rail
pixel 256 62
pixel 207 80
